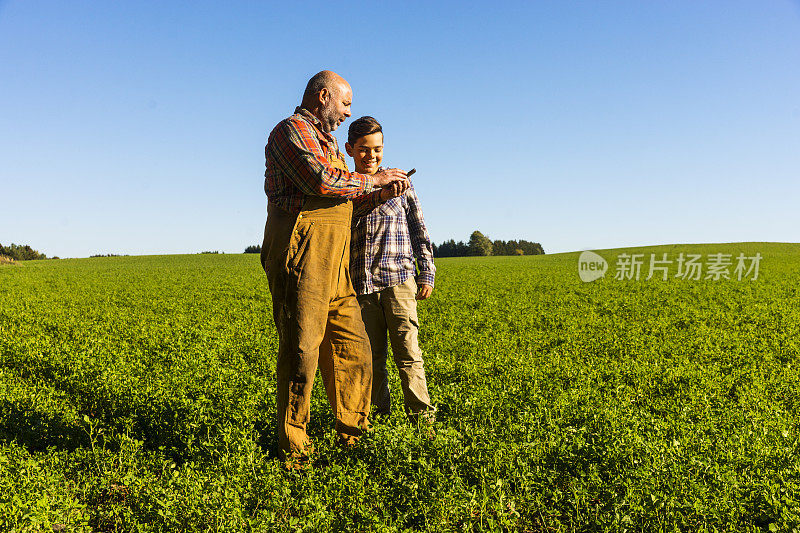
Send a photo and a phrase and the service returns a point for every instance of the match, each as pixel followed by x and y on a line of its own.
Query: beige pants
pixel 394 310
pixel 306 258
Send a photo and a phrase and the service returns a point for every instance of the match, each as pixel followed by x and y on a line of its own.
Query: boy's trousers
pixel 394 310
pixel 306 258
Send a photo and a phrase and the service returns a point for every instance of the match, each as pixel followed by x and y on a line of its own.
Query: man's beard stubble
pixel 328 117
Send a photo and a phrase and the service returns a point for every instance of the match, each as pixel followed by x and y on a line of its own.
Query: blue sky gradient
pixel 139 127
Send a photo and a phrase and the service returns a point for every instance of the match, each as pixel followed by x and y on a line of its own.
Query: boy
pixel 386 239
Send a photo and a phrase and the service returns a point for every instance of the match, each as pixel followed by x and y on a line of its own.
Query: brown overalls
pixel 306 258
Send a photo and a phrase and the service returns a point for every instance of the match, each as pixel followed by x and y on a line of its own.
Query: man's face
pixel 335 107
pixel 367 152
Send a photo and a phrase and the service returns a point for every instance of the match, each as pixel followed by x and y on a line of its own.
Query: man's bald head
pixel 327 79
pixel 328 97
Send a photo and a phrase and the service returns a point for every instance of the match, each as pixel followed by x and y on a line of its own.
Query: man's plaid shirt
pixel 298 164
pixel 385 242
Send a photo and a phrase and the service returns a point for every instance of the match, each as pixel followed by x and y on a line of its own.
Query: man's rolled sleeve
pixel 420 240
pixel 366 203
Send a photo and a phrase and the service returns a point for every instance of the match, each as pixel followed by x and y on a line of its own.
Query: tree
pixel 19 252
pixel 499 248
pixel 254 249
pixel 450 248
pixel 479 244
pixel 531 248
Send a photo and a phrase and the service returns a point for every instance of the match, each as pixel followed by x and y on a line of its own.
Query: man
pixel 386 241
pixel 305 255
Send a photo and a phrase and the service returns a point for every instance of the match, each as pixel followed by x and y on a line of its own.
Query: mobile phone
pixel 408 174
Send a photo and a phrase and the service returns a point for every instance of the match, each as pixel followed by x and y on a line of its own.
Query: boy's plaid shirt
pixel 298 164
pixel 385 242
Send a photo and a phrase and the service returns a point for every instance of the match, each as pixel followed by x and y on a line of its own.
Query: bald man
pixel 306 255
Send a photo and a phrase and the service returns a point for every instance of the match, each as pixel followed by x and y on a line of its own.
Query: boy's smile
pixel 367 152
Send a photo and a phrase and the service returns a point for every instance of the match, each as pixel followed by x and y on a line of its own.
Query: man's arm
pixel 297 152
pixel 364 204
pixel 299 155
pixel 420 243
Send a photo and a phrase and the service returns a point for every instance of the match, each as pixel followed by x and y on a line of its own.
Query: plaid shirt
pixel 299 164
pixel 385 242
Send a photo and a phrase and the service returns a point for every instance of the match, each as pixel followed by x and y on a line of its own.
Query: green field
pixel 137 394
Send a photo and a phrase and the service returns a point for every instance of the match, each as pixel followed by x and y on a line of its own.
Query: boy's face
pixel 367 152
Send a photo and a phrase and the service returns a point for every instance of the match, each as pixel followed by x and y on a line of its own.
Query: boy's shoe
pixel 423 417
pixel 425 421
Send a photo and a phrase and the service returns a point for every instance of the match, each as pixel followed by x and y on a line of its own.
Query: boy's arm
pixel 420 240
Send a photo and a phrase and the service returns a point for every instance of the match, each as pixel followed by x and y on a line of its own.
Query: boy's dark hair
pixel 361 127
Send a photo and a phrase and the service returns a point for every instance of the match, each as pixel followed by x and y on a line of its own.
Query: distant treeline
pixel 21 252
pixel 478 244
pixel 481 245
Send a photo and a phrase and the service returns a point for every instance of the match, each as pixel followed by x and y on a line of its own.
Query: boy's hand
pixel 387 176
pixel 394 190
pixel 424 292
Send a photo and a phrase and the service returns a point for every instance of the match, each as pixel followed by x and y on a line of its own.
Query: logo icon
pixel 591 266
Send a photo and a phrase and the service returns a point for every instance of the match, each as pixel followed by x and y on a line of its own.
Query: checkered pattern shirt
pixel 298 164
pixel 385 243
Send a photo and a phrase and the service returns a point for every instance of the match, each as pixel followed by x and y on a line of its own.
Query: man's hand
pixel 394 190
pixel 388 176
pixel 424 292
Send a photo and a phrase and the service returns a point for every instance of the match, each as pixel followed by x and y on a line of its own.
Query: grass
pixel 137 394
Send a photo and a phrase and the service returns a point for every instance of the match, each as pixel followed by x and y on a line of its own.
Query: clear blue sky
pixel 139 127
